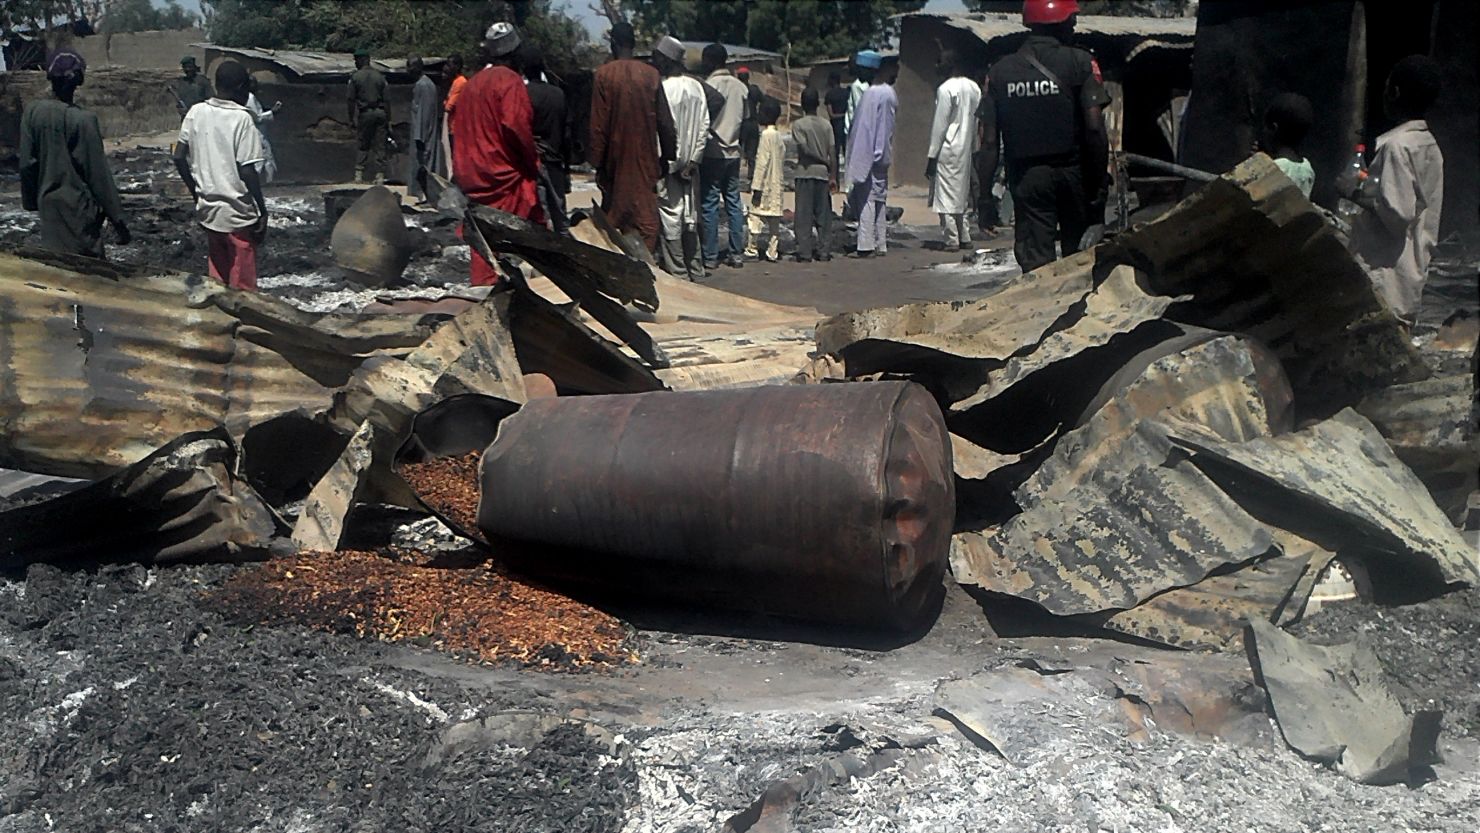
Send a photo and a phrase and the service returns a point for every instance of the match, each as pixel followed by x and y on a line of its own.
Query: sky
pixel 596 24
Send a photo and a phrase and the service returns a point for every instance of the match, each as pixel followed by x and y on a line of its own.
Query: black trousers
pixel 814 210
pixel 750 142
pixel 840 144
pixel 1048 206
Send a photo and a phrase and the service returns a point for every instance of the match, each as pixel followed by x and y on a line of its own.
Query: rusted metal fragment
pixel 746 499
pixel 1339 484
pixel 1258 258
pixel 184 503
pixel 321 522
pixel 551 340
pixel 1113 544
pixel 1031 714
pixel 1334 704
pixel 472 353
pixel 1430 427
pixel 101 366
pixel 993 327
pixel 1229 385
pixel 600 281
pixel 1212 613
pixel 1112 518
pixel 1116 305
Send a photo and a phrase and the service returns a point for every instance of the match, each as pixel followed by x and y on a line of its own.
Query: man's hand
pixel 930 166
pixel 755 197
pixel 259 230
pixel 121 232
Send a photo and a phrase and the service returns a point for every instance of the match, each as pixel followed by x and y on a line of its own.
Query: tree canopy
pixel 1124 8
pixel 813 29
pixel 393 27
pixel 144 16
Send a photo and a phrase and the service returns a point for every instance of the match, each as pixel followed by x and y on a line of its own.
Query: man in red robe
pixel 495 162
pixel 632 136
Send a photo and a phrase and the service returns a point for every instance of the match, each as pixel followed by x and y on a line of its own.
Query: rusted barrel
pixel 832 503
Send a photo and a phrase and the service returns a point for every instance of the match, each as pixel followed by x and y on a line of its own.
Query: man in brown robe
pixel 632 137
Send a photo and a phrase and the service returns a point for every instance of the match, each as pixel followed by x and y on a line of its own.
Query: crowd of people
pixel 667 148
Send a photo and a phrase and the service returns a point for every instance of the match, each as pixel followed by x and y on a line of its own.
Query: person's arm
pixel 99 176
pixel 1395 199
pixel 764 158
pixel 248 173
pixel 943 107
pixel 30 166
pixel 182 164
pixel 600 114
pixel 667 132
pixel 518 131
pixel 987 139
pixel 1096 151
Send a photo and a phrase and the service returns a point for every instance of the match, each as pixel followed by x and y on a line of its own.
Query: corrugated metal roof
pixel 990 26
pixel 313 65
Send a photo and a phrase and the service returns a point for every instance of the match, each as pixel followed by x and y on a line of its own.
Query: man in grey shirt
pixel 814 137
pixel 719 173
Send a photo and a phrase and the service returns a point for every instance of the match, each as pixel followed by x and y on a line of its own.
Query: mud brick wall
pixel 127 101
pixel 311 137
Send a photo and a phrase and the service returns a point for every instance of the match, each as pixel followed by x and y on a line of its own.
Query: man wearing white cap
pixel 866 64
pixel 495 160
pixel 678 191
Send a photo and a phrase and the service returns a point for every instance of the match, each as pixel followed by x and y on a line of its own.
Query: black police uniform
pixel 1043 144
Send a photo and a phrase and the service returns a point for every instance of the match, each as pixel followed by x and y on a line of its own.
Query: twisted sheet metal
pixel 100 366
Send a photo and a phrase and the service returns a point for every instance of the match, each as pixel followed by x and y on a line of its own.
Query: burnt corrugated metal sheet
pixel 1258 258
pixel 309 66
pixel 988 26
pixel 1338 483
pixel 1107 520
pixel 98 368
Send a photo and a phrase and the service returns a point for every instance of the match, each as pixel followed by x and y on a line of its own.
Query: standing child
pixel 1286 121
pixel 765 185
pixel 815 173
pixel 217 156
pixel 1404 194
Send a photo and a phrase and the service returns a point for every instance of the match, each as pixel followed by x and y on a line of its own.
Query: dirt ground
pixel 132 704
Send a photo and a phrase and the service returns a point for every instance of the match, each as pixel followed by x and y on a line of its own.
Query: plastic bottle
pixel 1349 182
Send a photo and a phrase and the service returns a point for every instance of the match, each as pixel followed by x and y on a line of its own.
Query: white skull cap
pixel 501 39
pixel 669 47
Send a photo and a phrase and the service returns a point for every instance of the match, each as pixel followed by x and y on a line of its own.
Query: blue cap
pixel 868 59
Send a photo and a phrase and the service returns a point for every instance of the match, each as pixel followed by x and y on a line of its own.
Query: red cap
pixel 739 70
pixel 1361 147
pixel 1048 11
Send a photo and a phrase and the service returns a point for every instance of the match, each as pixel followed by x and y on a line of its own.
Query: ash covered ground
pixel 131 703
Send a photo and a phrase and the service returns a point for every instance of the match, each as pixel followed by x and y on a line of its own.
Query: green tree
pixel 812 29
pixel 144 16
pixel 394 27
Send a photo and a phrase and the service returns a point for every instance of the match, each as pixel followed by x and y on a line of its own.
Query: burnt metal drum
pixel 832 503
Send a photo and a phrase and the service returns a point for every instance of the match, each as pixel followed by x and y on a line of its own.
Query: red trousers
pixel 232 258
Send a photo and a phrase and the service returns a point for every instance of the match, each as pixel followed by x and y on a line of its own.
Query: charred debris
pixel 1188 435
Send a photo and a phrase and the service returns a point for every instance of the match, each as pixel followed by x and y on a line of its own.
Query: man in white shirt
pixel 217 157
pixel 678 191
pixel 1404 194
pixel 952 144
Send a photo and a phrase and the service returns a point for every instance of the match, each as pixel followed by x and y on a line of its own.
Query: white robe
pixel 678 198
pixel 267 168
pixel 952 141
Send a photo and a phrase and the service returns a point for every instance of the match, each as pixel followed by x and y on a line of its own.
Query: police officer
pixel 1045 102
